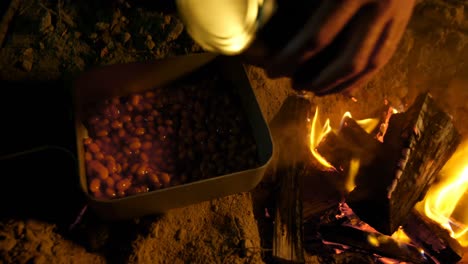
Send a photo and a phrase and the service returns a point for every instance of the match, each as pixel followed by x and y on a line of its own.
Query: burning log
pixel 416 146
pixel 287 233
pixel 436 240
pixel 350 143
pixel 373 243
pixel 303 189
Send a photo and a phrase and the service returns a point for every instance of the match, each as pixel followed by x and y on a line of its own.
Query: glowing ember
pixel 401 236
pixel 353 171
pixel 443 201
pixel 368 124
pixel 316 137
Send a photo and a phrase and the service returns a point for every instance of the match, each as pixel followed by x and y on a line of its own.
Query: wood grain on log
pixel 416 146
pixel 288 230
pixel 289 130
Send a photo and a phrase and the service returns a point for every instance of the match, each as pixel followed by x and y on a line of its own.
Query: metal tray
pixel 126 79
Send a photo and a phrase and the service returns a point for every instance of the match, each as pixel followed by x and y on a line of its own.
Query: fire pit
pixel 381 170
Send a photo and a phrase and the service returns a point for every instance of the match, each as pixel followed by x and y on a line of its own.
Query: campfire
pixel 445 201
pixel 399 182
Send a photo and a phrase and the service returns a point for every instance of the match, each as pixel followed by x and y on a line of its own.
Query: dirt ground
pixel 52 40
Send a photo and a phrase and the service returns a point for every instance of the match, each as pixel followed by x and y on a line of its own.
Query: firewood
pixel 349 142
pixel 416 146
pixel 372 243
pixel 303 189
pixel 435 240
pixel 287 233
pixel 289 133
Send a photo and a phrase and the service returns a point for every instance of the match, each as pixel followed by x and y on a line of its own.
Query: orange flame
pixel 443 200
pixel 315 138
pixel 401 236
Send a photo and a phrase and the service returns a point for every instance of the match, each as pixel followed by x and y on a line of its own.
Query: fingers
pixel 367 27
pixel 325 24
pixel 389 43
pixel 364 57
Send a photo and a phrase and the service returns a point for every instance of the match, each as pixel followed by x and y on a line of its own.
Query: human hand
pixel 343 44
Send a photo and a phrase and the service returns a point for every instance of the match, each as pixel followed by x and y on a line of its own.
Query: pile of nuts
pixel 165 137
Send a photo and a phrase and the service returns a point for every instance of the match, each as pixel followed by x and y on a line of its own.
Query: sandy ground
pixel 50 40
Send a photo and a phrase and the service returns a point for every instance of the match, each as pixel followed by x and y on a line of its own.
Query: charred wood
pixel 372 243
pixel 288 230
pixel 416 146
pixel 290 136
pixel 340 148
pixel 436 240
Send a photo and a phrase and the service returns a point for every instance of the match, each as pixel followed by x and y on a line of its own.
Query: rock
pixel 116 30
pixel 67 19
pixel 117 14
pixel 180 234
pixel 214 208
pixel 126 37
pixel 41 259
pixel 106 37
pixel 104 52
pixel 456 41
pixel 175 31
pixel 30 235
pixel 27 59
pixel 93 36
pixel 246 246
pixel 46 23
pixel 7 242
pixel 167 19
pixel 77 34
pixel 101 26
pixel 28 53
pixel 149 42
pixel 458 14
pixel 19 228
pixel 45 246
pixel 111 45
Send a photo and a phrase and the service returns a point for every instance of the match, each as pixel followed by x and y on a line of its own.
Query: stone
pixel 101 26
pixel 150 44
pixel 77 34
pixel 126 37
pixel 19 228
pixel 167 19
pixel 246 246
pixel 27 59
pixel 175 31
pixel 111 45
pixel 104 52
pixel 106 37
pixel 7 242
pixel 93 36
pixel 46 23
pixel 180 234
